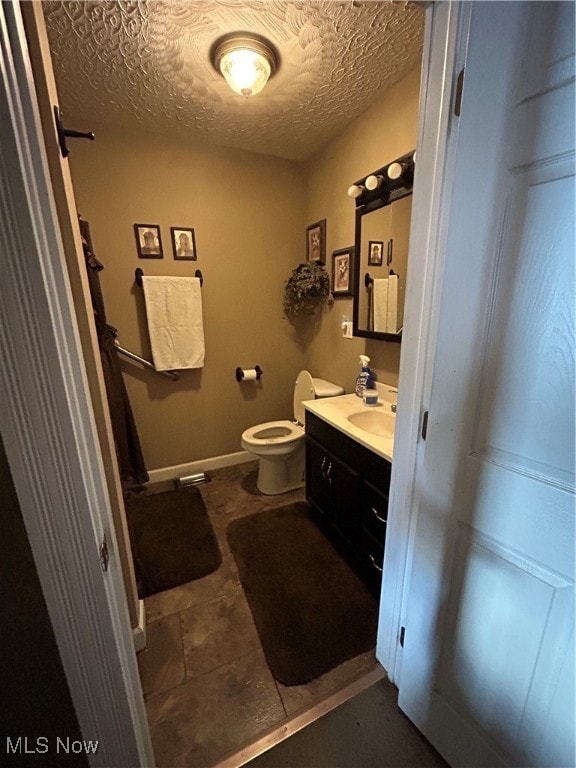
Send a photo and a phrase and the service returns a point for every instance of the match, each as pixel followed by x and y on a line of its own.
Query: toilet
pixel 280 444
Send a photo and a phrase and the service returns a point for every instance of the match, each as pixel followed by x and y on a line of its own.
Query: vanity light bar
pixel 397 175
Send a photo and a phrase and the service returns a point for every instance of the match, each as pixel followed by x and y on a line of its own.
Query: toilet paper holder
pixel 248 374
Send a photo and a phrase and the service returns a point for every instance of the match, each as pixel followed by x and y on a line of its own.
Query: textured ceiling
pixel 148 61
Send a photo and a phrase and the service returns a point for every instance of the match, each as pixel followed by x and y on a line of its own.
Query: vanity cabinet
pixel 331 486
pixel 347 488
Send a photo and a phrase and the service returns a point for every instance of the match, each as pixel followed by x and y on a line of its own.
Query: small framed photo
pixel 375 253
pixel 342 271
pixel 183 243
pixel 316 242
pixel 148 241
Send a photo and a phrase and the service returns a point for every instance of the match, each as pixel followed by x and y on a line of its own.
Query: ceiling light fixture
pixel 245 60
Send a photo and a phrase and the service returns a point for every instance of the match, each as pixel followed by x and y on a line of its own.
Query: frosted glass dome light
pixel 246 62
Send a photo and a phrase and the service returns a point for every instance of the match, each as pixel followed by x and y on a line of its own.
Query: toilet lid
pixel 323 388
pixel 304 390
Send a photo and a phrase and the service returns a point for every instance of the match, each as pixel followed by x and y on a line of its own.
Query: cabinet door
pixel 318 489
pixel 345 494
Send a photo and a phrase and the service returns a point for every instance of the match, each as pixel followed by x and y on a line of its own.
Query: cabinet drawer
pixel 372 558
pixel 374 512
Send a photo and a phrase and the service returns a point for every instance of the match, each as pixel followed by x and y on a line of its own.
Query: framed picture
pixel 375 253
pixel 183 243
pixel 148 241
pixel 316 242
pixel 342 271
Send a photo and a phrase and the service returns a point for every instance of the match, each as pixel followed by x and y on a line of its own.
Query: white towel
pixel 380 302
pixel 392 315
pixel 174 313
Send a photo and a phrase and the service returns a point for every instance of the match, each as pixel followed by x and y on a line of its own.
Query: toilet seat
pixel 284 432
pixel 273 433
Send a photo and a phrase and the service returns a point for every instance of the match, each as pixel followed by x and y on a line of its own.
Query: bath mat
pixel 172 539
pixel 311 610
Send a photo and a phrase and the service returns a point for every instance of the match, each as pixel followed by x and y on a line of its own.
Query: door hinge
pixel 424 431
pixel 459 89
pixel 104 554
pixel 402 636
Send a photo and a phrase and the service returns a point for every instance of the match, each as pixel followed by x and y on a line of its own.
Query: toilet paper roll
pixel 248 374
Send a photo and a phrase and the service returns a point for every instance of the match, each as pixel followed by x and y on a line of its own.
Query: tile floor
pixel 207 687
pixel 367 731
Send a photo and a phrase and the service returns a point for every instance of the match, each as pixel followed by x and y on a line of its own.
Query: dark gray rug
pixel 172 539
pixel 311 610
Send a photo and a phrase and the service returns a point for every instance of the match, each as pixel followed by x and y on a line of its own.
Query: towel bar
pixel 174 375
pixel 139 274
pixel 369 280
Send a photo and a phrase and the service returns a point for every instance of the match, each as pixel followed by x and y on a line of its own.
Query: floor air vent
pixel 197 479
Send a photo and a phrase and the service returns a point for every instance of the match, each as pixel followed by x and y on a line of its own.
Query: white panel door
pixel 488 662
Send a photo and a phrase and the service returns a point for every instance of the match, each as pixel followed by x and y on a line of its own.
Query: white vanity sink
pixel 371 426
pixel 376 421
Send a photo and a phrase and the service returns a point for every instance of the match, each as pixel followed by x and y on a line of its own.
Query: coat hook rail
pixel 66 133
pixel 139 274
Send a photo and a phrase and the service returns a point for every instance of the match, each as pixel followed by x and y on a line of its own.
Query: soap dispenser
pixel 365 374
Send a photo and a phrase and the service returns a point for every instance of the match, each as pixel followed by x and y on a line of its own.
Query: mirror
pixel 382 238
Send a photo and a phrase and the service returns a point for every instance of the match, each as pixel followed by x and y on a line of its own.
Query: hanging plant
pixel 306 290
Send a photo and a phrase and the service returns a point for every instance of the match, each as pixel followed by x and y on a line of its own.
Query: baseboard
pixel 139 632
pixel 204 465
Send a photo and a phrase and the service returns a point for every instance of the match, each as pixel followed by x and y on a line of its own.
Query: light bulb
pixel 355 191
pixel 395 170
pixel 245 71
pixel 373 182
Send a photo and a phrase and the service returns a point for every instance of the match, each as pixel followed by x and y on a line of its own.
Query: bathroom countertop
pixel 336 410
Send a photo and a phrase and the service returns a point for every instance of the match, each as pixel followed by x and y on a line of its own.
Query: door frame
pixel 445 44
pixel 66 208
pixel 47 420
pixel 48 427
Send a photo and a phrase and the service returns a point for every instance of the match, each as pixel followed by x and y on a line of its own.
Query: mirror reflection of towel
pixel 380 304
pixel 392 313
pixel 175 326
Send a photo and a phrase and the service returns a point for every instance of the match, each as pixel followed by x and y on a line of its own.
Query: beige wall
pixel 247 211
pixel 384 132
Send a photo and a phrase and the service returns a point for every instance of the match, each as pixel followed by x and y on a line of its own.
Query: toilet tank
pixel 307 388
